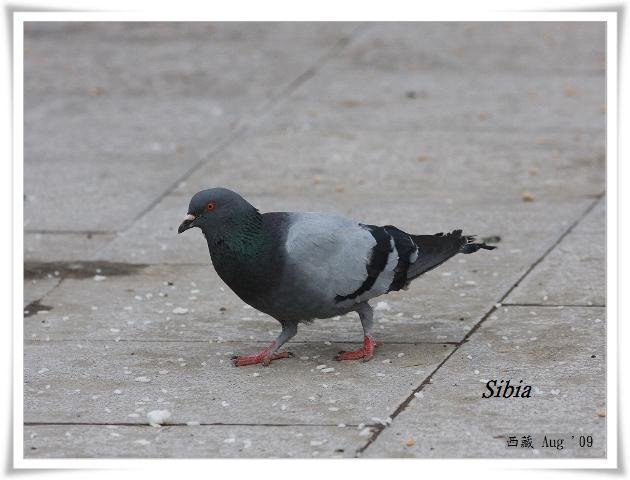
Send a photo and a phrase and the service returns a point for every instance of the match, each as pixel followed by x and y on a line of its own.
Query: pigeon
pixel 301 266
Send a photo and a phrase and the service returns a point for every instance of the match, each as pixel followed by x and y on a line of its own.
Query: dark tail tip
pixel 471 247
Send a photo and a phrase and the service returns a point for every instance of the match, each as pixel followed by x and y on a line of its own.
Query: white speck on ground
pixel 180 310
pixel 327 370
pixel 192 424
pixel 142 442
pixel 382 306
pixel 158 417
pixel 142 379
pixel 99 278
pixel 317 443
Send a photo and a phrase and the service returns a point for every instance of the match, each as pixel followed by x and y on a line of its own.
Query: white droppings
pixel 327 370
pixel 317 443
pixel 99 278
pixel 163 372
pixel 476 372
pixel 133 415
pixel 180 311
pixel 365 432
pixel 304 358
pixel 319 367
pixel 255 374
pixel 43 370
pixel 225 404
pixel 114 330
pixel 158 417
pixel 418 395
pixel 554 391
pixel 142 379
pixel 229 440
pixel 341 425
pixel 333 409
pixel 117 391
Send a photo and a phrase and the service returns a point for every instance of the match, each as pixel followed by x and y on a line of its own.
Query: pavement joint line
pixel 201 424
pixel 403 405
pixel 553 305
pixel 226 342
pixel 244 123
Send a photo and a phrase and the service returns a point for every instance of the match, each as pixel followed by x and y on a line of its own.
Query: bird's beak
pixel 187 223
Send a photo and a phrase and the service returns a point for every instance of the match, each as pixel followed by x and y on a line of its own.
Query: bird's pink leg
pixel 265 357
pixel 365 353
pixel 268 354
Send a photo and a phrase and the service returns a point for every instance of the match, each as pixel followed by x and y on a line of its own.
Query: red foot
pixel 365 353
pixel 263 357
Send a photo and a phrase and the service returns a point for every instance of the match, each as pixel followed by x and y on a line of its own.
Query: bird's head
pixel 213 209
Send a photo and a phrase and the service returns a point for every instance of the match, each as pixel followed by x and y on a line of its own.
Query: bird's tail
pixel 471 246
pixel 433 250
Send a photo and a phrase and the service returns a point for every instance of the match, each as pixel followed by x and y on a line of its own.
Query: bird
pixel 301 266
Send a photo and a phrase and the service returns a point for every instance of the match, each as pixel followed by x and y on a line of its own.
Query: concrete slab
pixel 595 221
pixel 574 273
pixel 119 382
pixel 144 103
pixel 534 48
pixel 407 164
pixel 60 247
pixel 417 77
pixel 36 289
pixel 216 441
pixel 561 353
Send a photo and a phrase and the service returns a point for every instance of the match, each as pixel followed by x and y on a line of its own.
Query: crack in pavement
pixel 380 428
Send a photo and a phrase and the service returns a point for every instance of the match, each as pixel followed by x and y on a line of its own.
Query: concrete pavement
pixel 496 128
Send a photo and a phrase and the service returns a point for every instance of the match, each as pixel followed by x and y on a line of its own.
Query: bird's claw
pixel 263 358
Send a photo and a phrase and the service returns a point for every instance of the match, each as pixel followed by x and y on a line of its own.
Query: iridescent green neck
pixel 241 236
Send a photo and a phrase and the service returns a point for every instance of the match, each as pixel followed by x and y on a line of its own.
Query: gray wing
pixel 341 261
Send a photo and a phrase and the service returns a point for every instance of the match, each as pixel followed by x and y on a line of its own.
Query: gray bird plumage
pixel 297 267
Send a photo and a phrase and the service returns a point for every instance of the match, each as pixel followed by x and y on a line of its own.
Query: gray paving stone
pixel 63 247
pixel 143 103
pixel 560 352
pixel 408 164
pixel 532 48
pixel 595 221
pixel 87 382
pixel 216 441
pixel 574 273
pixel 37 288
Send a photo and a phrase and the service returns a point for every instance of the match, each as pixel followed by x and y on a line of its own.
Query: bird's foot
pixel 365 353
pixel 263 357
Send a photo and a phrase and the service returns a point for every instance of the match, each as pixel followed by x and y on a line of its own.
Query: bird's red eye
pixel 211 206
